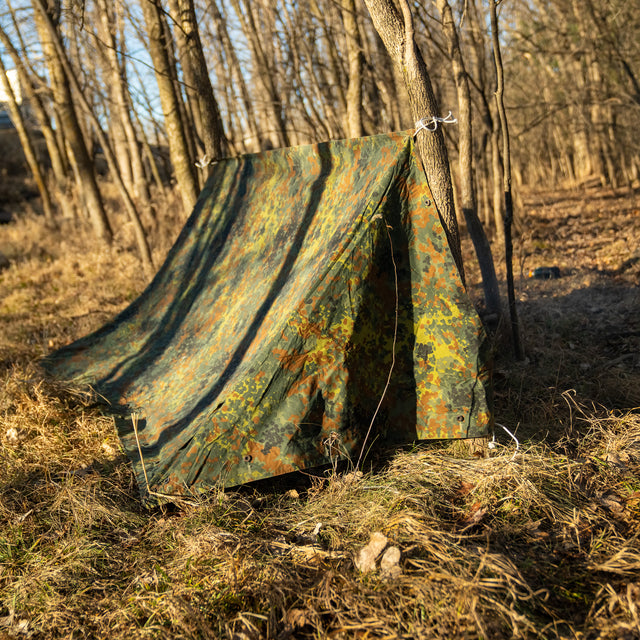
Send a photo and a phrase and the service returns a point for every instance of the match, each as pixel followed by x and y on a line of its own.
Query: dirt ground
pixel 581 332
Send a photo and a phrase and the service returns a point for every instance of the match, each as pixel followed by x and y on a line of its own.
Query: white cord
pixel 431 124
pixel 493 444
pixel 204 162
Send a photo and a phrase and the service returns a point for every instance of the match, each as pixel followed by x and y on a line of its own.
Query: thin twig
pixel 134 422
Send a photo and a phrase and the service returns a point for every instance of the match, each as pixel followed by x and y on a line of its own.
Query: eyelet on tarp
pixel 248 458
pixel 460 418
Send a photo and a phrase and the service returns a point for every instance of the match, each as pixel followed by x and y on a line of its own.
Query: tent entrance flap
pixel 264 343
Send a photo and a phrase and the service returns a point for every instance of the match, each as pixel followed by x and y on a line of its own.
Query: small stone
pixel 109 452
pixel 12 435
pixel 366 559
pixel 389 564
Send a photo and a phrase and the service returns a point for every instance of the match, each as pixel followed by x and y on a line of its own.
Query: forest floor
pixel 538 540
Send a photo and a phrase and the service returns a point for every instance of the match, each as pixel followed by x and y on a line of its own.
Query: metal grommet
pixel 460 418
pixel 427 202
pixel 248 458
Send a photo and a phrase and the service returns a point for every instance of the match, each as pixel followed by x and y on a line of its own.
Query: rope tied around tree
pixel 431 124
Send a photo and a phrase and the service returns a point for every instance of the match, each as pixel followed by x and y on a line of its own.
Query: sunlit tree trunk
pixel 465 155
pixel 250 133
pixel 264 73
pixel 396 31
pixel 198 84
pixel 354 54
pixel 27 146
pixel 175 125
pixel 68 120
pixel 506 168
pixel 49 28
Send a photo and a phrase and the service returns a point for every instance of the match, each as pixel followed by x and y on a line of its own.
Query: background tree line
pixel 156 89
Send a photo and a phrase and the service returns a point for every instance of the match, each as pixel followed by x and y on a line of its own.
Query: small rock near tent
pixel 308 284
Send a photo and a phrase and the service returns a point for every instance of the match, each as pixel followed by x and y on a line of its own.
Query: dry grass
pixel 539 542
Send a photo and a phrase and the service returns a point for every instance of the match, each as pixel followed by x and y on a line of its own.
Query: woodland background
pixel 139 92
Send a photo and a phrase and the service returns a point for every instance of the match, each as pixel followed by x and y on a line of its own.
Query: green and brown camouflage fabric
pixel 265 342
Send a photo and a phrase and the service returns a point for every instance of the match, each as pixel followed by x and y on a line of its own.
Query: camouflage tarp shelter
pixel 264 343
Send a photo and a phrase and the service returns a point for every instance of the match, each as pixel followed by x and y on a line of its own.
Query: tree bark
pixel 506 168
pixel 141 239
pixel 69 123
pixel 354 57
pixel 264 73
pixel 199 89
pixel 237 78
pixel 27 146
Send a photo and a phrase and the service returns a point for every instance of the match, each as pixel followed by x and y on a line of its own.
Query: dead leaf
pixel 465 487
pixel 300 617
pixel 475 515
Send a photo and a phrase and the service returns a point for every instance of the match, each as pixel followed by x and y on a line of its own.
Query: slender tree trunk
pixel 27 146
pixel 465 152
pixel 506 167
pixel 141 239
pixel 111 71
pixel 396 31
pixel 69 123
pixel 199 89
pixel 265 74
pixel 236 75
pixel 175 124
pixel 496 173
pixel 59 164
pixel 354 56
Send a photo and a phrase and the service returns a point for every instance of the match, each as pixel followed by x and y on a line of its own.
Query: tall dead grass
pixel 535 542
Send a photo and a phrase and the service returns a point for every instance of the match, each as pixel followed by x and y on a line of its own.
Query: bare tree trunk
pixel 199 89
pixel 496 174
pixel 506 167
pixel 106 29
pixel 143 246
pixel 397 34
pixel 465 152
pixel 141 183
pixel 235 74
pixel 27 146
pixel 174 123
pixel 59 164
pixel 354 55
pixel 69 123
pixel 265 74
